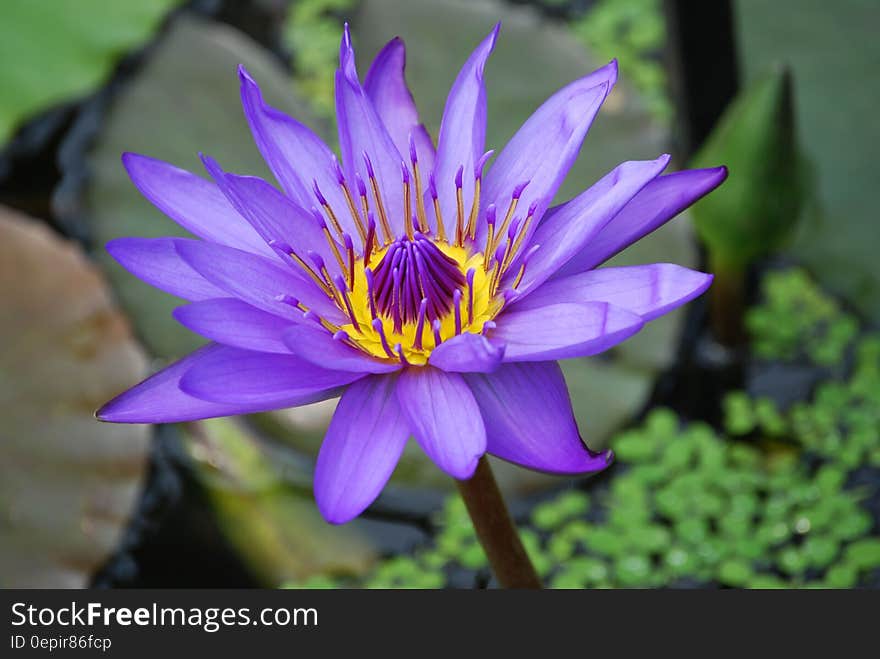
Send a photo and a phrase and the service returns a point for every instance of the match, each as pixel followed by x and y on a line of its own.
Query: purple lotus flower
pixel 431 289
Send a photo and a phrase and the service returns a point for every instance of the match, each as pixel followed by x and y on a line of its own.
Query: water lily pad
pixel 184 100
pixel 56 51
pixel 68 484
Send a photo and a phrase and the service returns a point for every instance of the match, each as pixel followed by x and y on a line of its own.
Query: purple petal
pixel 467 353
pixel 235 323
pixel 647 290
pixel 444 418
pixel 156 261
pixel 563 331
pixel 546 146
pixel 462 136
pixel 315 344
pixel 657 203
pixel 360 450
pixel 569 227
pixel 256 280
pixel 272 215
pixel 529 420
pixel 194 203
pixel 297 156
pixel 361 131
pixel 386 87
pixel 233 375
pixel 159 399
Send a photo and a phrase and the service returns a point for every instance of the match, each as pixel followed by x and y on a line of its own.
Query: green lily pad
pixel 64 49
pixel 184 100
pixel 68 484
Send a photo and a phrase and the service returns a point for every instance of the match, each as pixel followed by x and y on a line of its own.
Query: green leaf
pixel 55 51
pixel 842 575
pixel 733 572
pixel 864 554
pixel 820 550
pixel 632 570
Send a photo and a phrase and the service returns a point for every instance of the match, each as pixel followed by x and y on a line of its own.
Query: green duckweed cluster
pixel 312 33
pixel 634 32
pixel 771 505
pixel 797 319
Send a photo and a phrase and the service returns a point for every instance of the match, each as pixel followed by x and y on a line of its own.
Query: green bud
pixel 754 212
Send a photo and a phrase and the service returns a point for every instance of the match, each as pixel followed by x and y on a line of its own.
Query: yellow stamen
pixel 487 255
pixel 335 249
pixel 420 202
pixel 365 204
pixel 490 249
pixel 332 216
pixel 459 217
pixel 475 207
pixel 417 352
pixel 383 218
pixel 335 295
pixel 441 230
pixel 358 222
pixel 519 241
pixel 305 266
pixel 519 275
pixel 407 217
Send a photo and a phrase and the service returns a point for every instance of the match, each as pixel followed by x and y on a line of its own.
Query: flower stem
pixel 727 306
pixel 496 530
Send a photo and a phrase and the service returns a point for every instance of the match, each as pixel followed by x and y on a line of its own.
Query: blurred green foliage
pixel 798 321
pixel 312 32
pixel 633 31
pixel 53 51
pixel 757 208
pixel 797 317
pixel 690 507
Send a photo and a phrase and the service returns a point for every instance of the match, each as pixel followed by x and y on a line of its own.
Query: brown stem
pixel 496 530
pixel 727 306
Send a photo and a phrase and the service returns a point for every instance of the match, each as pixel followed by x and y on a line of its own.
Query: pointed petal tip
pixel 245 77
pixel 109 413
pixel 613 69
pixel 346 50
pixel 130 158
pixel 211 166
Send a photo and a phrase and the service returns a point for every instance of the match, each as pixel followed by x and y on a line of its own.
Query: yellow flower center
pixel 417 338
